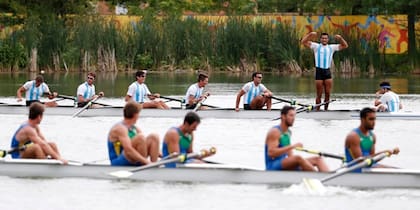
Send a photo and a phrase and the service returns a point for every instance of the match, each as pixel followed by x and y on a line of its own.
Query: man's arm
pixel 121 134
pixel 272 144
pixel 238 99
pixel 172 141
pixel 306 40
pixel 353 144
pixel 34 135
pixel 343 43
pixel 19 93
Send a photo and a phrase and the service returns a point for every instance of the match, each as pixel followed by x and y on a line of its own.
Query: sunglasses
pixel 259 77
pixel 91 78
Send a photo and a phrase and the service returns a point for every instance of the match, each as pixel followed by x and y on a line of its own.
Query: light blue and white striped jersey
pixel 252 91
pixel 195 91
pixel 138 92
pixel 391 100
pixel 324 54
pixel 33 92
pixel 86 90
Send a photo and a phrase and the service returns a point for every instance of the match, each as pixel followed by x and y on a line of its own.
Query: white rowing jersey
pixel 138 92
pixel 324 54
pixel 391 100
pixel 252 91
pixel 86 90
pixel 33 92
pixel 195 91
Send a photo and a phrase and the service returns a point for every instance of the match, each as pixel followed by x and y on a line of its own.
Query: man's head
pixel 191 121
pixel 257 77
pixel 385 85
pixel 324 38
pixel 91 76
pixel 39 80
pixel 140 76
pixel 36 111
pixel 367 118
pixel 288 114
pixel 131 110
pixel 203 79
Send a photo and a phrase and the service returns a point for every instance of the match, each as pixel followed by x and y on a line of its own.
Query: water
pixel 238 141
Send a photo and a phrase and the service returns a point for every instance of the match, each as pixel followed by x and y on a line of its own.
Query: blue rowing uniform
pixel 274 163
pixel 115 150
pixel 17 144
pixel 366 144
pixel 184 144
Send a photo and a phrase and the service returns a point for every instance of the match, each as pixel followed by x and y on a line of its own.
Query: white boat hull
pixel 209 173
pixel 210 113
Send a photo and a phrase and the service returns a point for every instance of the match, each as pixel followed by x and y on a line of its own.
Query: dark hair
pixel 191 117
pixel 365 111
pixel 92 74
pixel 323 34
pixel 39 79
pixel 130 109
pixel 385 85
pixel 36 109
pixel 255 74
pixel 286 109
pixel 202 77
pixel 139 73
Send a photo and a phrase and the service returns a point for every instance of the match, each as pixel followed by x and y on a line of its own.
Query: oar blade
pixel 121 174
pixel 314 186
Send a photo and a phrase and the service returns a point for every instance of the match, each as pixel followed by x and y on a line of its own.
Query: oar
pixel 199 104
pixel 291 102
pixel 86 106
pixel 315 185
pixel 180 158
pixel 3 153
pixel 173 99
pixel 75 99
pixel 324 154
pixel 308 108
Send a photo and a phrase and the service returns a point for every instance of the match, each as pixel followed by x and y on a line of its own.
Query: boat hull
pixel 209 173
pixel 210 113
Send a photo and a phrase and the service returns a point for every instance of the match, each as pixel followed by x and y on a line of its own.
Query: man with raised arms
pixel 29 140
pixel 361 141
pixel 256 94
pixel 127 145
pixel 138 92
pixel 279 149
pixel 323 59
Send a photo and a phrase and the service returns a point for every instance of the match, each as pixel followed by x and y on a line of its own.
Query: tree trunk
pixel 412 46
pixel 33 67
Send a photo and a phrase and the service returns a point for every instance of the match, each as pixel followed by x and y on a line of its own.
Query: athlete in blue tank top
pixel 17 144
pixel 360 142
pixel 279 151
pixel 180 139
pixel 126 145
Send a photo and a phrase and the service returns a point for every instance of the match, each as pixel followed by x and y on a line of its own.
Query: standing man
pixel 180 139
pixel 34 89
pixel 323 59
pixel 127 146
pixel 361 141
pixel 387 100
pixel 138 92
pixel 279 150
pixel 195 92
pixel 256 94
pixel 86 91
pixel 29 140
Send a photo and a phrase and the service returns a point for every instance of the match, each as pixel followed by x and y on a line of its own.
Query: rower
pixel 195 94
pixel 256 94
pixel 279 150
pixel 34 89
pixel 361 141
pixel 386 99
pixel 138 92
pixel 127 145
pixel 29 140
pixel 179 140
pixel 86 92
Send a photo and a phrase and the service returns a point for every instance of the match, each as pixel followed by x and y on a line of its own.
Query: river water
pixel 238 141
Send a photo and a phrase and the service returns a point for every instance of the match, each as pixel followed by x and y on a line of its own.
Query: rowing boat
pixel 222 113
pixel 208 173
